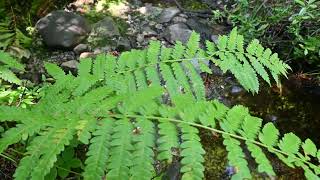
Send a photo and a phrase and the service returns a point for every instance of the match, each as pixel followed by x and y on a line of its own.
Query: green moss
pixel 215 157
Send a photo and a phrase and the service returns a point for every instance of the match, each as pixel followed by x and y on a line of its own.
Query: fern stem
pixel 271 149
pixel 73 172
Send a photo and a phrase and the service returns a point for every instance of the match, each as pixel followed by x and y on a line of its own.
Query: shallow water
pixel 293 108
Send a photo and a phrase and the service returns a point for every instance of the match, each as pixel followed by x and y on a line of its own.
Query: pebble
pixel 236 89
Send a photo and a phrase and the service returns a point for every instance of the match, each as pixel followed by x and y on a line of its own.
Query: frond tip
pixel 246 63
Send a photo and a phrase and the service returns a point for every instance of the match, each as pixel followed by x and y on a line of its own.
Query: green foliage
pixel 120 110
pixel 247 64
pixel 21 96
pixel 7 62
pixel 289 26
pixel 12 35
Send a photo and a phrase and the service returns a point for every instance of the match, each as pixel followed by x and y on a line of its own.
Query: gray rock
pixel 80 48
pixel 177 32
pixel 123 44
pixel 140 38
pixel 200 27
pixel 63 29
pixel 214 38
pixel 73 64
pixel 100 50
pixel 179 19
pixel 159 26
pixel 105 28
pixel 167 14
pixel 149 32
pixel 149 10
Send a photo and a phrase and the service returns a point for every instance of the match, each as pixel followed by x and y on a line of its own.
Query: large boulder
pixel 63 29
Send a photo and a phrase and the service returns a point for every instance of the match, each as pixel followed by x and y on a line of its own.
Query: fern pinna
pixel 7 62
pixel 119 108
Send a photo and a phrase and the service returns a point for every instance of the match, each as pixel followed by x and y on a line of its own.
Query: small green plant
pixel 7 62
pixel 20 96
pixel 289 26
pixel 119 108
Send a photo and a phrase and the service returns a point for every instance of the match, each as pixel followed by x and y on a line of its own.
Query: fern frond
pixel 144 142
pixel 28 162
pixel 58 140
pixel 232 57
pixel 168 137
pixel 115 104
pixel 96 163
pixel 192 153
pixel 7 62
pixel 120 159
pixel 10 62
pixel 18 133
pixel 236 158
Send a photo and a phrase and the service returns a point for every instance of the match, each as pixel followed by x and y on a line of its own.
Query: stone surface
pixel 73 64
pixel 123 44
pixel 63 29
pixel 203 29
pixel 80 48
pixel 179 19
pixel 149 10
pixel 105 28
pixel 167 14
pixel 236 89
pixel 177 32
pixel 149 32
pixel 86 55
pixel 214 38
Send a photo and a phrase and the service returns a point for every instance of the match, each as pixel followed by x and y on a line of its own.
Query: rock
pixel 236 90
pixel 214 38
pixel 216 70
pixel 63 29
pixel 80 48
pixel 60 57
pixel 200 27
pixel 86 55
pixel 149 32
pixel 105 28
pixel 183 15
pixel 177 32
pixel 123 44
pixel 100 50
pixel 159 26
pixel 152 23
pixel 179 19
pixel 167 14
pixel 149 10
pixel 73 64
pixel 140 38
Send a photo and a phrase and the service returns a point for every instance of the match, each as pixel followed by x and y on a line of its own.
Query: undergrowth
pixel 136 109
pixel 291 27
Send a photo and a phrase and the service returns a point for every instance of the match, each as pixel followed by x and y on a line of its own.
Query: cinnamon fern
pixel 119 108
